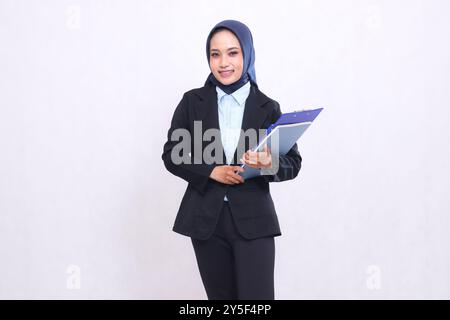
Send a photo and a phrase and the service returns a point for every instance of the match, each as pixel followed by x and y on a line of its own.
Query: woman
pixel 231 221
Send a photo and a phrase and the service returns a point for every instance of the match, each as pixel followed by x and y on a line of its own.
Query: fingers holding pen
pixel 233 176
pixel 227 174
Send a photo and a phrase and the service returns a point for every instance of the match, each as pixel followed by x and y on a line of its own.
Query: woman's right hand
pixel 226 174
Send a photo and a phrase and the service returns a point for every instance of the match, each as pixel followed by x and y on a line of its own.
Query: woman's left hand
pixel 258 160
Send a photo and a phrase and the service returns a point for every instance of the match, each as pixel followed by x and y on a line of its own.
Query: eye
pixel 214 54
pixel 233 53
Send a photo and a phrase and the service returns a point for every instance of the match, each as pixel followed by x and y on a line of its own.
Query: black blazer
pixel 251 203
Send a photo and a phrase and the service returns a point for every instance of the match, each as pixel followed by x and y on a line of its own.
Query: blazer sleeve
pixel 290 163
pixel 195 174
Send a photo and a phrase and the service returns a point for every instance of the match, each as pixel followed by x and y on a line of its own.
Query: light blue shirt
pixel 231 112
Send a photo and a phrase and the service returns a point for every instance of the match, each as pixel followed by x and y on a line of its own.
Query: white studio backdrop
pixel 87 92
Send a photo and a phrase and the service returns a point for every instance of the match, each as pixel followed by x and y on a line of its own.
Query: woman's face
pixel 226 60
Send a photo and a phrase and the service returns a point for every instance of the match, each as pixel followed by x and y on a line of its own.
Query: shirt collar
pixel 240 95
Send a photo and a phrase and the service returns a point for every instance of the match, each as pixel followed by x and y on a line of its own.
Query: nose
pixel 224 61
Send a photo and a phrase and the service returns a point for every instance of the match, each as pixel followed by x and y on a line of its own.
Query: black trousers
pixel 232 267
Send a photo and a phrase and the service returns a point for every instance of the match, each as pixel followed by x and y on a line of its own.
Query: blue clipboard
pixel 295 117
pixel 289 127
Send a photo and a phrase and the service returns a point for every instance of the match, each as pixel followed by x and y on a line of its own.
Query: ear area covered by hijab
pixel 242 32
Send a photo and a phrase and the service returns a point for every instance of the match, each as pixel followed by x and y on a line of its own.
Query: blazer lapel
pixel 208 112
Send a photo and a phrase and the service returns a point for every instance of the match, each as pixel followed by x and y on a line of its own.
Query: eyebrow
pixel 233 48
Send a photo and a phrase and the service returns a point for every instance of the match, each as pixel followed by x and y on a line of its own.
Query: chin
pixel 228 81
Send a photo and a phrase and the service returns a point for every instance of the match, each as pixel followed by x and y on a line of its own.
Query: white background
pixel 87 91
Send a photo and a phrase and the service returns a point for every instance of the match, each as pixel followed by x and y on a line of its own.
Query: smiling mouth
pixel 226 73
